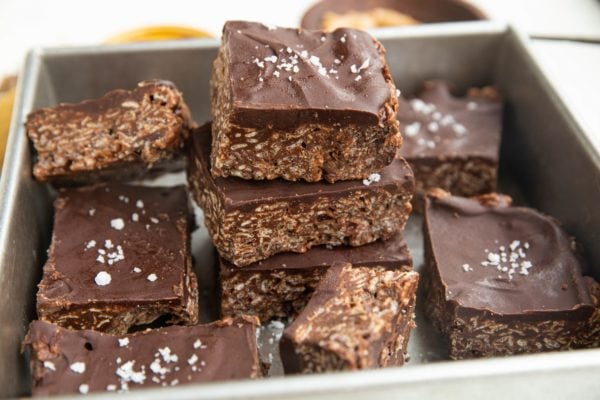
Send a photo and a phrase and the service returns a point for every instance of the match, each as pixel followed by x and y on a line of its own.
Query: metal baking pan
pixel 546 162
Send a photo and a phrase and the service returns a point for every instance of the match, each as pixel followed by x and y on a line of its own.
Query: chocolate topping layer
pixel 284 77
pixel 391 253
pixel 245 195
pixel 476 246
pixel 437 124
pixel 118 246
pixel 65 361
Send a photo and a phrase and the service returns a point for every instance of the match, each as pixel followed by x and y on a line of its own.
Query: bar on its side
pixel 451 142
pixel 280 286
pixel 252 220
pixel 516 285
pixel 119 257
pixel 296 104
pixel 68 362
pixel 122 135
pixel 358 318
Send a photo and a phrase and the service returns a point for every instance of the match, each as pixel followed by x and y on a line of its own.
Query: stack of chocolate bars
pixel 297 174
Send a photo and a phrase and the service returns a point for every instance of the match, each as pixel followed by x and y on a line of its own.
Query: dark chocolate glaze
pixel 461 229
pixel 110 100
pixel 310 96
pixel 392 253
pixel 156 244
pixel 242 194
pixel 480 116
pixel 222 350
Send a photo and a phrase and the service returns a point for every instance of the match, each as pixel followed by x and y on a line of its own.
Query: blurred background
pixel 565 33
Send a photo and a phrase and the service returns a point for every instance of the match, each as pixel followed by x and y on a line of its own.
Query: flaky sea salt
pixel 117 224
pixel 103 278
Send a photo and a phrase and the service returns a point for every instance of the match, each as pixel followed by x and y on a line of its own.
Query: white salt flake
pixel 139 204
pixel 358 78
pixel 193 359
pixel 165 352
pixel 152 277
pixel 111 388
pixel 154 220
pixel 412 129
pixel 78 367
pixel 466 268
pixel 49 365
pixel 117 224
pixel 197 344
pixel 123 342
pixel 433 126
pixel 375 177
pixel 103 278
pixel 91 212
pixel 447 120
pixel 108 244
pixel 135 217
pixel 514 244
pixel 471 106
pixel 276 74
pixel 84 388
pixel 90 244
pixel 128 374
pixel 493 258
pixel 459 129
pixel 271 59
pixel 137 270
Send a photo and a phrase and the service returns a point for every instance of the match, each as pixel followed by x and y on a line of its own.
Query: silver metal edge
pixel 17 143
pixel 391 379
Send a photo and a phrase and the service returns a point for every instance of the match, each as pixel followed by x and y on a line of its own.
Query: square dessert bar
pixel 252 220
pixel 357 318
pixel 296 104
pixel 66 362
pixel 280 286
pixel 122 135
pixel 515 286
pixel 119 257
pixel 452 142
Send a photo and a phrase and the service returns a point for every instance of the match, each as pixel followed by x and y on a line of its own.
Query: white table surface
pixel 573 67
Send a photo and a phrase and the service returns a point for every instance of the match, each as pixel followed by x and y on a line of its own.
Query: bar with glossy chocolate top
pixel 281 285
pixel 119 257
pixel 68 362
pixel 358 318
pixel 250 221
pixel 296 104
pixel 452 142
pixel 122 135
pixel 515 286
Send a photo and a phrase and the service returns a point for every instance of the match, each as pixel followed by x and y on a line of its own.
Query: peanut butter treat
pixel 280 286
pixel 250 221
pixel 119 258
pixel 452 142
pixel 515 286
pixel 295 104
pixel 67 362
pixel 357 318
pixel 123 135
pixel 378 17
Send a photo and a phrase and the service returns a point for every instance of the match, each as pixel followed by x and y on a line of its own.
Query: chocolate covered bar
pixel 296 104
pixel 358 318
pixel 123 135
pixel 67 362
pixel 452 142
pixel 280 286
pixel 252 220
pixel 515 286
pixel 119 258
